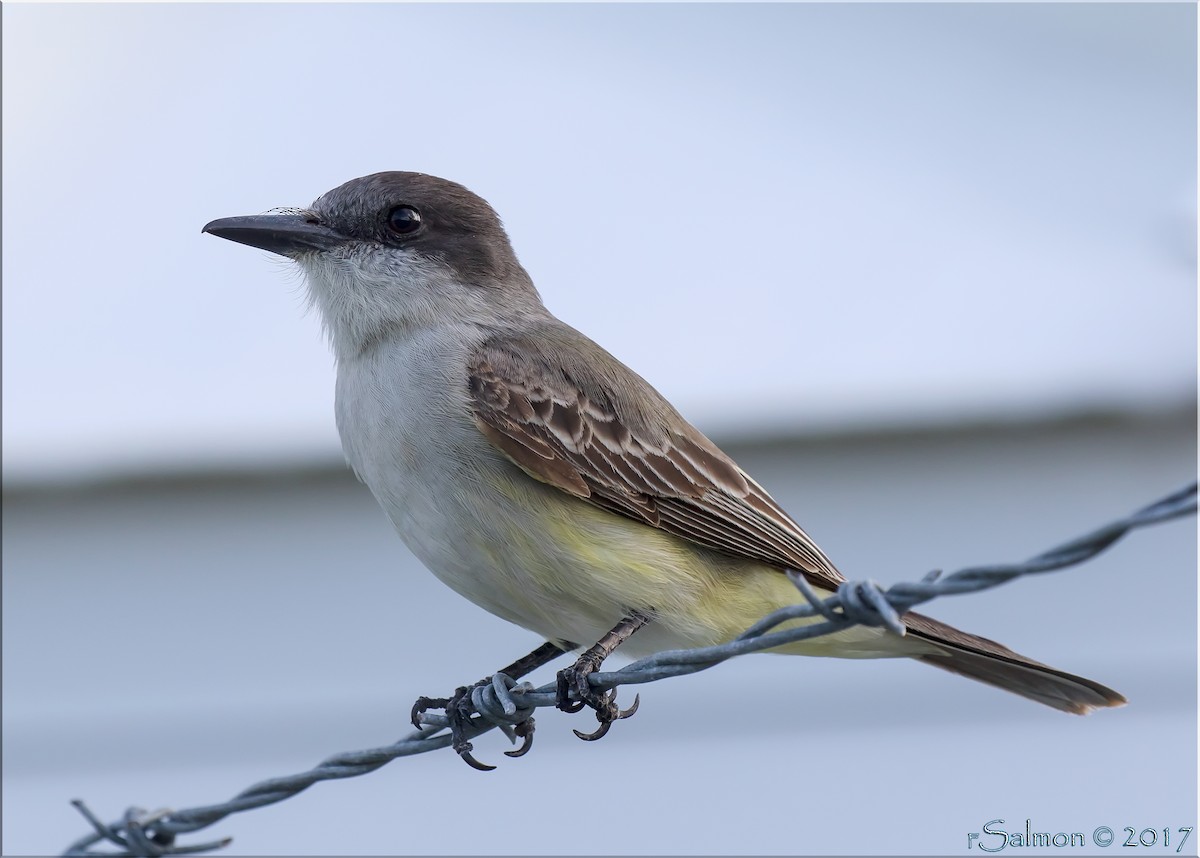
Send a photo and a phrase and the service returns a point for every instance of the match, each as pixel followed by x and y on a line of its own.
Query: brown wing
pixel 571 415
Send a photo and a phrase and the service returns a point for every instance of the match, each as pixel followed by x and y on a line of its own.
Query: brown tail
pixel 995 664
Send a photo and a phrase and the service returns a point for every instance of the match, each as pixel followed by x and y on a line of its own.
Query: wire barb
pixel 509 706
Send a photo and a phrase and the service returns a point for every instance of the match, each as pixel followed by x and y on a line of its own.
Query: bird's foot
pixel 459 707
pixel 574 680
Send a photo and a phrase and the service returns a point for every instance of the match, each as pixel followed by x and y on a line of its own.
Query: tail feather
pixel 987 661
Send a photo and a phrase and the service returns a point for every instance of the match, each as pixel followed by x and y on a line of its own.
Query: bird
pixel 543 479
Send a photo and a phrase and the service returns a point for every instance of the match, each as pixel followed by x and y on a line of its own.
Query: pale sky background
pixel 789 218
pixel 786 217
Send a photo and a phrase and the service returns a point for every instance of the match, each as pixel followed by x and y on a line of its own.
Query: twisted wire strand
pixel 503 703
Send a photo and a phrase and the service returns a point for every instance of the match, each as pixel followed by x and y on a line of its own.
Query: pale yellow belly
pixel 570 571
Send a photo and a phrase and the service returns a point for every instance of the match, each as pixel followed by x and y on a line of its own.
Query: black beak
pixel 285 234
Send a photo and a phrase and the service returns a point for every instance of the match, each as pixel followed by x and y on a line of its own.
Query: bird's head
pixel 392 252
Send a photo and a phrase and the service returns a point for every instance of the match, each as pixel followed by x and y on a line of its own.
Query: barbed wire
pixel 503 704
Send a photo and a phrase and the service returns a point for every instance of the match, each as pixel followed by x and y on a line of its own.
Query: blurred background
pixel 927 271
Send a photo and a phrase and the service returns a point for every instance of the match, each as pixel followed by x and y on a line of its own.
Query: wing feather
pixel 601 433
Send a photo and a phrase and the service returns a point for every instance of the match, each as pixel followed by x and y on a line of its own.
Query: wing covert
pixel 571 415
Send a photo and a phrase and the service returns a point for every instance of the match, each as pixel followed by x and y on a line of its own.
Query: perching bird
pixel 539 476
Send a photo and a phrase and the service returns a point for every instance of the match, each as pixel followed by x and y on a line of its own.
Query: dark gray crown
pixel 458 227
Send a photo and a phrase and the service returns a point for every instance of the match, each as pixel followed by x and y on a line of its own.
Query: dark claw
pixel 458 712
pixel 576 679
pixel 599 734
pixel 426 703
pixel 563 695
pixel 465 753
pixel 525 731
pixel 606 713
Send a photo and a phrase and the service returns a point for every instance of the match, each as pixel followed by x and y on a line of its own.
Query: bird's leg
pixel 544 654
pixel 458 705
pixel 575 679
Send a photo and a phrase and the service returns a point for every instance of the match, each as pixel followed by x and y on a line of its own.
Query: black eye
pixel 403 220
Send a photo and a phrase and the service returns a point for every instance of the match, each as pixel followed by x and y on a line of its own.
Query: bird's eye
pixel 403 220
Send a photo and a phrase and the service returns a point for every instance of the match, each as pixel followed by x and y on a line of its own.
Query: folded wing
pixel 596 430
